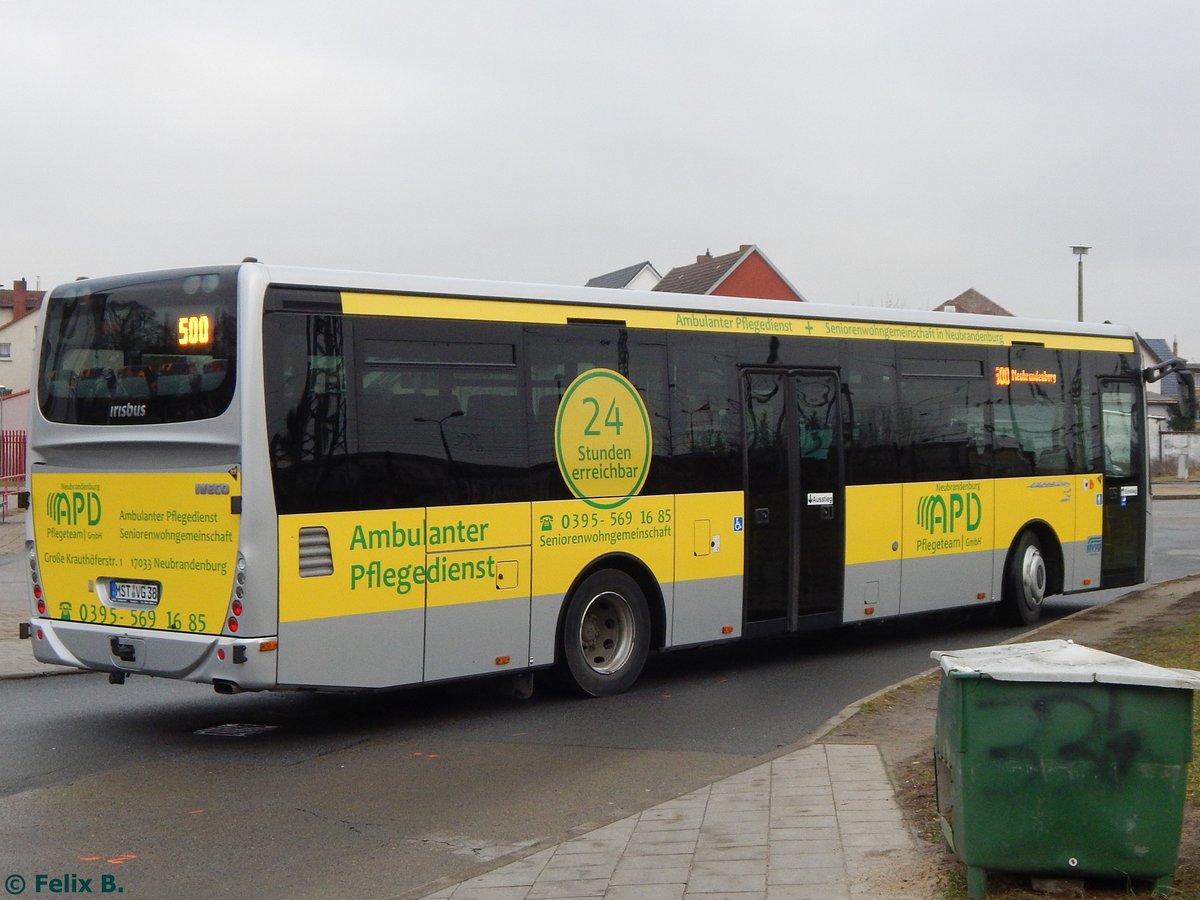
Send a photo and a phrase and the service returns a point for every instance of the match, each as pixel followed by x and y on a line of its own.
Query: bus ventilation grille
pixel 316 556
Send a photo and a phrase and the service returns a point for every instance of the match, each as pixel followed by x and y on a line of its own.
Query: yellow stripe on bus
pixel 536 313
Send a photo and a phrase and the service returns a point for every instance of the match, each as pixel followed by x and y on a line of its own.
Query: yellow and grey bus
pixel 283 478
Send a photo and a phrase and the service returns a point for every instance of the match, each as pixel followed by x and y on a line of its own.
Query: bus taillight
pixel 35 577
pixel 236 606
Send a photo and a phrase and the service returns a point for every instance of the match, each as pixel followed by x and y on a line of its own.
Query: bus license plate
pixel 143 593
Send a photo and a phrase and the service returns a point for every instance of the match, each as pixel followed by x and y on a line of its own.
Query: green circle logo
pixel 602 438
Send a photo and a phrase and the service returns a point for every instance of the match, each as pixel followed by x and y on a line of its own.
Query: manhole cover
pixel 239 730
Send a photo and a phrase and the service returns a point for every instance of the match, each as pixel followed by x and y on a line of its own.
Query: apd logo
pixel 950 512
pixel 73 508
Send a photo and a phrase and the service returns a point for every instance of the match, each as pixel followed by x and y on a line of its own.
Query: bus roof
pixel 435 286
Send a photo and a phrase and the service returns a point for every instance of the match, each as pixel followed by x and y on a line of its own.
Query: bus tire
pixel 606 633
pixel 1025 581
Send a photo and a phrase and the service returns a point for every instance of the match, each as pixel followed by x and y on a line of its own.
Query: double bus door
pixel 1125 490
pixel 795 529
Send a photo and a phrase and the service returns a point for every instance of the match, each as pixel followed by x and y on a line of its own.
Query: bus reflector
pixel 981 596
pixel 870 611
pixel 268 646
pixel 1086 582
pixel 503 660
pixel 220 654
pixel 726 629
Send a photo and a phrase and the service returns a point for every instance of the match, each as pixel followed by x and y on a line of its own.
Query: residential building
pixel 747 272
pixel 640 277
pixel 18 335
pixel 971 301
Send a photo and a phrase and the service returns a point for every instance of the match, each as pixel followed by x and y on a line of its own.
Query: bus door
pixel 794 494
pixel 1125 493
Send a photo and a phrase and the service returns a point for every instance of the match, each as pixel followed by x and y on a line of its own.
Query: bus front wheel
pixel 1025 580
pixel 606 633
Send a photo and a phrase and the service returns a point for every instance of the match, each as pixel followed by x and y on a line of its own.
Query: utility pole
pixel 1081 252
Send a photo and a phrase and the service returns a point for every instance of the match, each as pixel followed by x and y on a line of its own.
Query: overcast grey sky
pixel 880 153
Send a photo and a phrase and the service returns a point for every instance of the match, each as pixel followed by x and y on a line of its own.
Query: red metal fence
pixel 12 459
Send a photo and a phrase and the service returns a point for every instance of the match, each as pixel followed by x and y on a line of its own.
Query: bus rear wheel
pixel 1025 581
pixel 606 633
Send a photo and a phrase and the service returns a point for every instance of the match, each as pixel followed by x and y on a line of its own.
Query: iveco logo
pixel 208 488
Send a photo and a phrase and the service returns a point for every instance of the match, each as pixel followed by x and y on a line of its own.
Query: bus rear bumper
pixel 247 664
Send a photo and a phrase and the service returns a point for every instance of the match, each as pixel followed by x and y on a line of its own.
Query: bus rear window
pixel 143 352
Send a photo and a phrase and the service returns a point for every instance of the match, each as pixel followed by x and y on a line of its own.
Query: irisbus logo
pixel 74 507
pixel 947 513
pixel 127 410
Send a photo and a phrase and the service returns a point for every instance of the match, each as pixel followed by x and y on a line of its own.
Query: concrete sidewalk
pixel 820 822
pixel 16 656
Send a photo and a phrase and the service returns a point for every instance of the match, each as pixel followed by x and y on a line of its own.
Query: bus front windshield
pixel 137 353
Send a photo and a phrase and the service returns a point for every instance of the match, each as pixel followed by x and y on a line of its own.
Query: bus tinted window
pixel 555 357
pixel 1038 397
pixel 141 353
pixel 870 411
pixel 706 418
pixel 448 434
pixel 944 425
pixel 307 414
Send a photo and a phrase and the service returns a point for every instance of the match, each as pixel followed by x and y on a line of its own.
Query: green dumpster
pixel 1054 759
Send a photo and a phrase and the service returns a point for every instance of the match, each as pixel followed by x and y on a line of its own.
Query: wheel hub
pixel 606 632
pixel 1033 576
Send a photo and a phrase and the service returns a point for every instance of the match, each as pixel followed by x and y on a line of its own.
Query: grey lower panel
pixel 543 628
pixel 371 650
pixel 703 608
pixel 872 591
pixel 388 649
pixel 941 582
pixel 190 657
pixel 89 646
pixel 469 638
pixel 1082 563
pixel 948 581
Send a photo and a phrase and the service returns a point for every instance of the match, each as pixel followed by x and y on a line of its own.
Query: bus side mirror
pixel 1187 399
pixel 1187 393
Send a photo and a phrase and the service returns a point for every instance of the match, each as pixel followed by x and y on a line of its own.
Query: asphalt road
pixel 377 795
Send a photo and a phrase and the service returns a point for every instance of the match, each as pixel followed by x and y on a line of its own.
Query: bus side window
pixel 947 427
pixel 1035 431
pixel 869 409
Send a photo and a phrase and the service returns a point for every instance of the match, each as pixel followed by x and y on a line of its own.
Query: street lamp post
pixel 1081 252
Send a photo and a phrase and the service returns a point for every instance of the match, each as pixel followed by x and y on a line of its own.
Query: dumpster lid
pixel 1059 661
